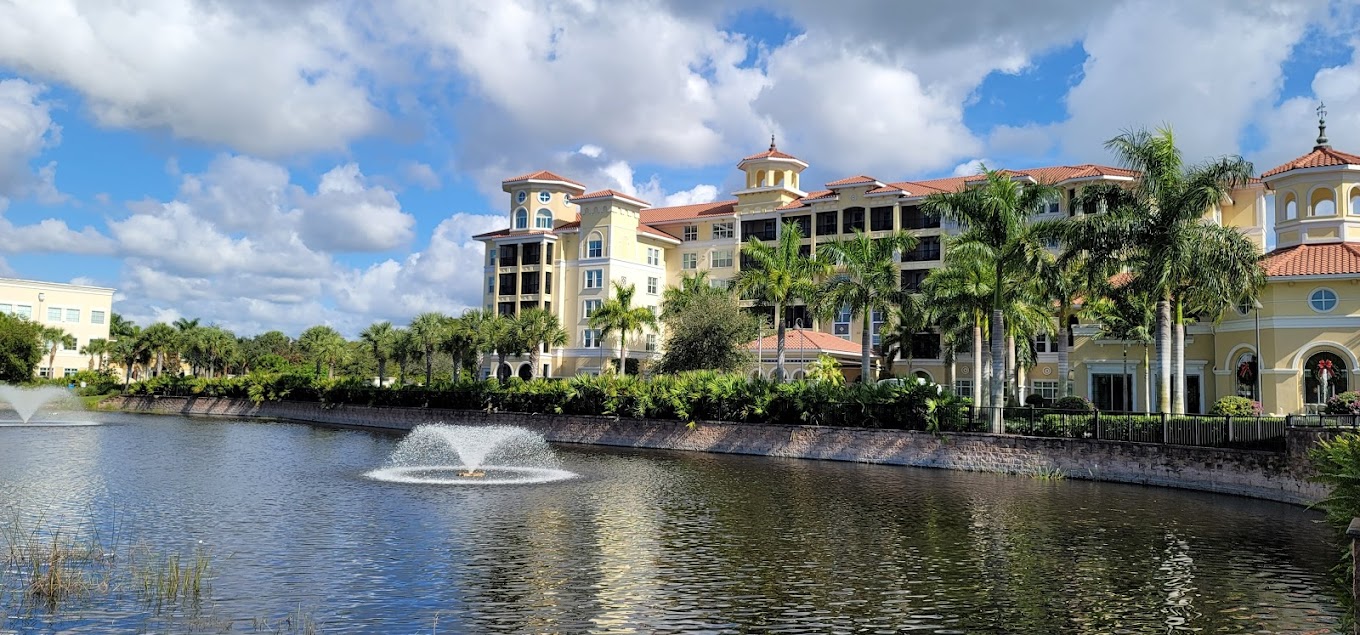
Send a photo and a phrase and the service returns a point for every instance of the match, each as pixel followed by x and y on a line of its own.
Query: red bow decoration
pixel 1245 372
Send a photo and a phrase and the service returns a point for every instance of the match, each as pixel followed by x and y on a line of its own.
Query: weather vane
pixel 1322 124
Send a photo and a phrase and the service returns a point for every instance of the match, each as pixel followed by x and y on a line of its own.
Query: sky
pixel 276 165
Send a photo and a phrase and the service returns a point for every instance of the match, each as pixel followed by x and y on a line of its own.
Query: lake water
pixel 645 542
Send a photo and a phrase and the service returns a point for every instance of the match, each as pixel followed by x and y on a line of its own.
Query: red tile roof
pixel 806 340
pixel 575 226
pixel 1321 156
pixel 853 180
pixel 543 175
pixel 772 153
pixel 1313 260
pixel 609 194
pixel 1052 174
pixel 659 215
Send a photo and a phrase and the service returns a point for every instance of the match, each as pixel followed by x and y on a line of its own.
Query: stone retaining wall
pixel 1268 475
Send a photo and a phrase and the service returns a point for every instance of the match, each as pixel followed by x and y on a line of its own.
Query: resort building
pixel 564 247
pixel 83 312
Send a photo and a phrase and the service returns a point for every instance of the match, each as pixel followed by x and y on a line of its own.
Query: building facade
pixel 83 312
pixel 565 247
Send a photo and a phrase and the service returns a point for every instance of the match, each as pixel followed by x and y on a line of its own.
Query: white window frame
pixel 876 321
pixel 545 197
pixel 543 218
pixel 724 230
pixel 1041 343
pixel 1335 300
pixel 963 388
pixel 24 311
pixel 653 284
pixel 689 262
pixel 651 343
pixel 598 278
pixel 521 196
pixel 96 316
pixel 60 311
pixel 653 256
pixel 521 218
pixel 491 284
pixel 840 327
pixel 70 314
pixel 590 338
pixel 589 307
pixel 1046 388
pixel 595 245
pixel 689 233
pixel 720 258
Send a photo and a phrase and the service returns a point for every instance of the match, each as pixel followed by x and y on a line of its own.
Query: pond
pixel 299 539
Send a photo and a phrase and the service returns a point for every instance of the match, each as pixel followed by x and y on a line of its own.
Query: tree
pixel 324 345
pixel 429 329
pixel 54 338
pixel 129 350
pixel 120 327
pixel 379 336
pixel 996 233
pixel 866 280
pixel 539 329
pixel 708 332
pixel 499 337
pixel 96 348
pixel 899 332
pixel 618 315
pixel 779 275
pixel 1158 231
pixel 160 338
pixel 1126 317
pixel 406 348
pixel 21 348
pixel 692 287
pixel 959 295
pixel 825 370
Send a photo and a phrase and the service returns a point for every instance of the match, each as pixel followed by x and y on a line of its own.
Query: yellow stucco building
pixel 81 311
pixel 565 246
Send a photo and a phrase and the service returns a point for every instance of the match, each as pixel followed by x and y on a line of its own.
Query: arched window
pixel 778 178
pixel 1355 201
pixel 1245 370
pixel 521 218
pixel 526 371
pixel 1324 376
pixel 543 219
pixel 1291 207
pixel 1322 202
pixel 760 178
pixel 595 245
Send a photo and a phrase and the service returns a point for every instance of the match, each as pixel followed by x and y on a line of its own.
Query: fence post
pixel 1096 418
pixel 1031 418
pixel 1228 419
pixel 1166 433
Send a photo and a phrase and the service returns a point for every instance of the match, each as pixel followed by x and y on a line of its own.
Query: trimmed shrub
pixel 1075 404
pixel 1235 406
pixel 1037 401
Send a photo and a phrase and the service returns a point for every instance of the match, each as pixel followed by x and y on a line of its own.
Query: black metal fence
pixel 1215 431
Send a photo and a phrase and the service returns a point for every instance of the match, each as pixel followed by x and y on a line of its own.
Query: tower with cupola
pixel 1317 196
pixel 771 180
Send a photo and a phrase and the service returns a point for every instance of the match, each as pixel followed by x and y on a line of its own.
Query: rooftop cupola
pixel 1317 195
pixel 771 177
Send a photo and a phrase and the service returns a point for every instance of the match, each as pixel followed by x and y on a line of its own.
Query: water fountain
pixel 439 454
pixel 27 401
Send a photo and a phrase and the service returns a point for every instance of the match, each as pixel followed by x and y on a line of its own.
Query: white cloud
pixel 969 168
pixel 26 129
pixel 1291 128
pixel 270 79
pixel 420 174
pixel 52 235
pixel 347 215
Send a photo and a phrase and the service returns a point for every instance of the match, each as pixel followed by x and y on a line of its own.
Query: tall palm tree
pixel 538 329
pixel 994 219
pixel 96 348
pixel 1125 317
pixel 618 315
pixel 324 345
pixel 120 327
pixel 160 338
pixel 429 329
pixel 128 349
pixel 961 291
pixel 691 287
pixel 379 337
pixel 406 348
pixel 55 337
pixel 468 337
pixel 866 280
pixel 899 332
pixel 779 276
pixel 1160 233
pixel 212 346
pixel 499 337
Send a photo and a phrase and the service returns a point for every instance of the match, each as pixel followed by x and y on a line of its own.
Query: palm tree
pixel 405 349
pixel 212 346
pixel 379 337
pixel 429 329
pixel 958 294
pixel 128 349
pixel 159 338
pixel 896 337
pixel 1159 232
pixel 780 275
pixel 467 337
pixel 994 218
pixel 691 287
pixel 120 327
pixel 324 345
pixel 96 348
pixel 866 280
pixel 618 315
pixel 55 337
pixel 538 329
pixel 1124 317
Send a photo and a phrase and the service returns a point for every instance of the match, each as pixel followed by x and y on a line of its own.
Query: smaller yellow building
pixel 81 311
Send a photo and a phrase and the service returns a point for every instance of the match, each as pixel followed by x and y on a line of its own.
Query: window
pixel 826 223
pixel 96 317
pixel 723 230
pixel 543 219
pixel 594 278
pixel 690 233
pixel 69 372
pixel 720 258
pixel 24 311
pixel 841 327
pixel 491 257
pixel 651 342
pixel 547 253
pixel 591 307
pixel 532 254
pixel 912 279
pixel 719 283
pixel 1322 300
pixel 520 197
pixel 70 345
pixel 505 308
pixel 963 387
pixel 1355 200
pixel 1048 389
pixel 591 338
pixel 652 284
pixel 44 372
pixel 53 314
pixel 1291 207
pixel 547 281
pixel 880 218
pixel 653 256
pixel 528 282
pixel 595 246
pixel 521 218
pixel 763 229
pixel 1244 307
pixel 1245 371
pixel 914 218
pixel 1041 343
pixel 1322 202
pixel 491 284
pixel 925 345
pixel 1051 207
pixel 509 255
pixel 545 197
pixel 876 324
pixel 689 261
pixel 852 218
pixel 803 223
pixel 927 248
pixel 507 284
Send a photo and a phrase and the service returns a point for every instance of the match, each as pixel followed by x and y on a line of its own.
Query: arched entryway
pixel 1325 375
pixel 504 372
pixel 526 371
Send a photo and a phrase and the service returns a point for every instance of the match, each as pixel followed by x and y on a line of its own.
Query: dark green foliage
pixel 692 396
pixel 1336 464
pixel 21 348
pixel 1236 406
pixel 1346 403
pixel 709 332
pixel 1074 403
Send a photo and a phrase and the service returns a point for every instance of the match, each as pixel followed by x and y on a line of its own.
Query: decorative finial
pixel 772 148
pixel 1322 125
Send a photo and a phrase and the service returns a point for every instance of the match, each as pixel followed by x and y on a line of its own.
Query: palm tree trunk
pixel 500 363
pixel 401 373
pixel 533 361
pixel 977 359
pixel 159 362
pixel 950 368
pixel 1164 356
pixel 429 365
pixel 1178 361
pixel 382 372
pixel 623 353
pixel 1012 371
pixel 779 342
pixel 866 334
pixel 998 363
pixel 1060 342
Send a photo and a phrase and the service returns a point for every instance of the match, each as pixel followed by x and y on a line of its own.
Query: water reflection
pixel 668 542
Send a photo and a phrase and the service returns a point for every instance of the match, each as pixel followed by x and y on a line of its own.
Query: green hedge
pixel 693 396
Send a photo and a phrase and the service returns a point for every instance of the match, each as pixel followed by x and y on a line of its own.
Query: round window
pixel 1244 307
pixel 544 197
pixel 1322 300
pixel 520 197
pixel 566 198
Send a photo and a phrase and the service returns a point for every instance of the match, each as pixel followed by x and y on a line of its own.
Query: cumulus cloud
pixel 420 174
pixel 26 129
pixel 269 79
pixel 346 214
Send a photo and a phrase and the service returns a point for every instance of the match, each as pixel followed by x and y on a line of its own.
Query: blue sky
pixel 277 165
